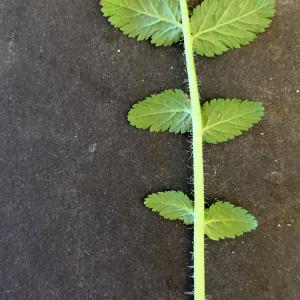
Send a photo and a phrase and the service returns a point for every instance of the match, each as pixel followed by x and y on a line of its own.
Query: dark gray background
pixel 74 173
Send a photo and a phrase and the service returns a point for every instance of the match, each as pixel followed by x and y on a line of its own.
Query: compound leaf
pixel 225 119
pixel 144 19
pixel 224 220
pixel 169 110
pixel 172 205
pixel 220 25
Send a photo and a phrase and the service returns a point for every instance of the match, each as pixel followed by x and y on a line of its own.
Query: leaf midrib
pixel 127 6
pixel 186 112
pixel 178 207
pixel 225 220
pixel 228 120
pixel 226 23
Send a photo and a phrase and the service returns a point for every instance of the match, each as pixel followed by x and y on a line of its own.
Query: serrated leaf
pixel 224 220
pixel 169 110
pixel 225 119
pixel 144 19
pixel 220 25
pixel 172 205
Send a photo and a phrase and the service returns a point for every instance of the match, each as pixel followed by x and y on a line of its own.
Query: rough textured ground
pixel 73 173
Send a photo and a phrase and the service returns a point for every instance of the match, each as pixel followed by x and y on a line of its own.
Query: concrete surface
pixel 74 174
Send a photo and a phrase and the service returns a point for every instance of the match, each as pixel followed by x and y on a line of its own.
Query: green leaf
pixel 172 205
pixel 169 110
pixel 224 220
pixel 144 19
pixel 225 119
pixel 220 25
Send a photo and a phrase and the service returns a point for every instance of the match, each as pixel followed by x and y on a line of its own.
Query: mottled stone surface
pixel 73 174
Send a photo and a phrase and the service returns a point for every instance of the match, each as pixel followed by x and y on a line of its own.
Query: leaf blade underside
pixel 220 25
pixel 224 119
pixel 172 205
pixel 144 19
pixel 166 111
pixel 224 220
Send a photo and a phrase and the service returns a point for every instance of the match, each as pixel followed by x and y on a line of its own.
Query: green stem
pixel 199 269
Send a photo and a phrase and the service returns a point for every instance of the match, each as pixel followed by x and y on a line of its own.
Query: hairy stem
pixel 199 270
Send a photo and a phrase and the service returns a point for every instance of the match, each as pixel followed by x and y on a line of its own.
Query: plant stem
pixel 199 269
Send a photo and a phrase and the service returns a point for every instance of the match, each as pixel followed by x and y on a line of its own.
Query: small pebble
pixel 275 177
pixel 92 148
